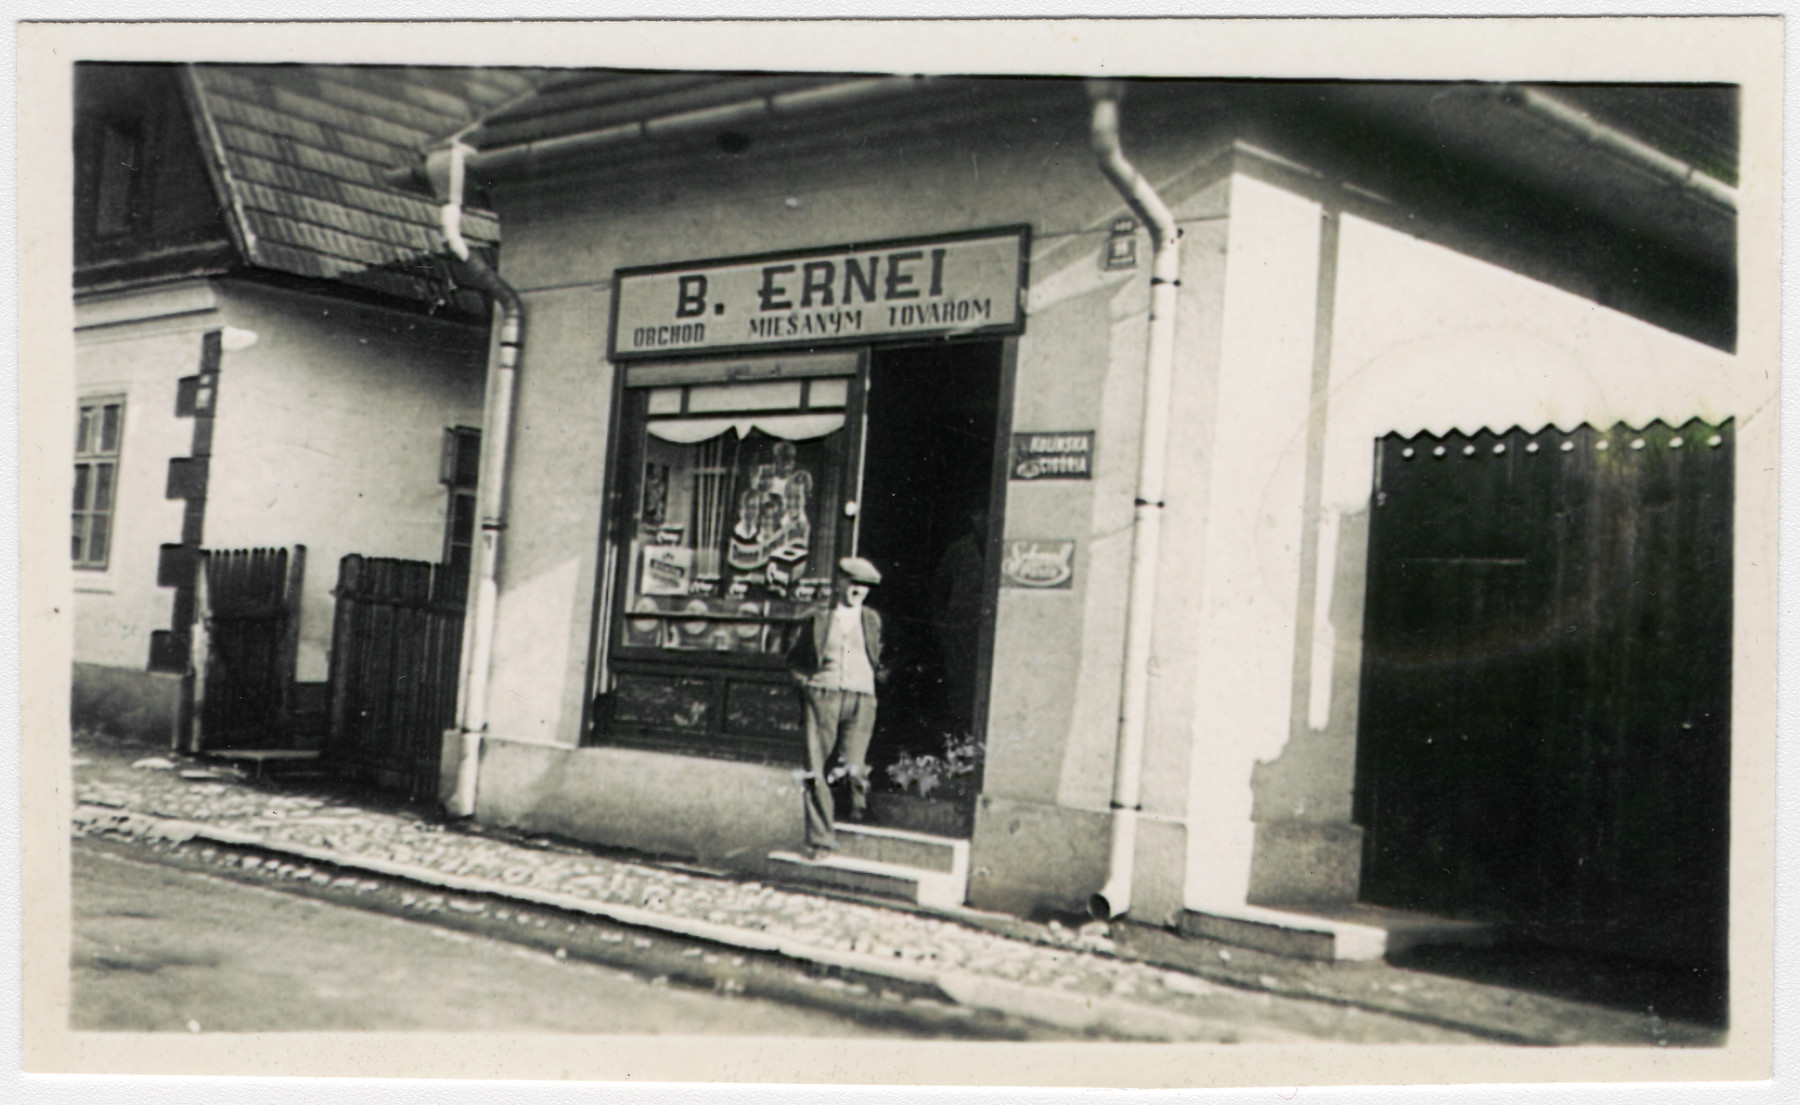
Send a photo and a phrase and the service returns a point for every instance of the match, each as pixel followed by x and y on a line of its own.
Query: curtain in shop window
pixel 788 427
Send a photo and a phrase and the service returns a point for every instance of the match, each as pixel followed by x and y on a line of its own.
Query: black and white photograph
pixel 1243 551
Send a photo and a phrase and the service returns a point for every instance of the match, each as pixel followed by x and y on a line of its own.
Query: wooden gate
pixel 249 621
pixel 396 643
pixel 1544 735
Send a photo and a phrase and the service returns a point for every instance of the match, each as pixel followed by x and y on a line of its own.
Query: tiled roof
pixel 300 151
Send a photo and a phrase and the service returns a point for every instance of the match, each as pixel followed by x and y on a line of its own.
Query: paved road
pixel 160 949
pixel 1112 981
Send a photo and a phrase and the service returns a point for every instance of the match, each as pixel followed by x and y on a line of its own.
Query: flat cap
pixel 860 570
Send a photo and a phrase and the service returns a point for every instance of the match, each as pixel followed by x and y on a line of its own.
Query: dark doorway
pixel 926 521
pixel 1545 735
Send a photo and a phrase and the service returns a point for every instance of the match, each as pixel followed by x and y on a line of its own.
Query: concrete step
pixel 1324 932
pixel 943 854
pixel 289 763
pixel 938 889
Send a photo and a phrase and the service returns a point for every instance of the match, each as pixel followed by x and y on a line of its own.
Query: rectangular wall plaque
pixel 1058 455
pixel 1038 564
pixel 929 287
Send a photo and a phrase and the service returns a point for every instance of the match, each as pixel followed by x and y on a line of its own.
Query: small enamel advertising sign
pixel 1059 455
pixel 1038 564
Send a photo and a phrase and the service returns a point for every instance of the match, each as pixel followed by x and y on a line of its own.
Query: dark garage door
pixel 1544 736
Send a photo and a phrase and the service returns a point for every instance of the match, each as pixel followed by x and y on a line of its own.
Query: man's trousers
pixel 839 722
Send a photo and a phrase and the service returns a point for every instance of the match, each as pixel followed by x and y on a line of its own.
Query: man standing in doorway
pixel 837 661
pixel 960 584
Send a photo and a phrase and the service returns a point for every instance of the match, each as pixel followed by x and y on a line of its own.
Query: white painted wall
pixel 1250 566
pixel 1053 710
pixel 137 345
pixel 1429 339
pixel 329 433
pixel 1423 338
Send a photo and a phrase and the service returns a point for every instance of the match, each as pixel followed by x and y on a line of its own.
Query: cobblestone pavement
pixel 1080 964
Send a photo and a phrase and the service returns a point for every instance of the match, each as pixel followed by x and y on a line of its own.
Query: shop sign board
pixel 964 284
pixel 1038 564
pixel 1061 455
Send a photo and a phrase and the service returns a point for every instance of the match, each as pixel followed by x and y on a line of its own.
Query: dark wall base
pixel 126 702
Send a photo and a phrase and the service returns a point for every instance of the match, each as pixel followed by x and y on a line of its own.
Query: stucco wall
pixel 1250 750
pixel 561 252
pixel 329 433
pixel 1055 686
pixel 1247 571
pixel 711 810
pixel 138 346
pixel 1422 338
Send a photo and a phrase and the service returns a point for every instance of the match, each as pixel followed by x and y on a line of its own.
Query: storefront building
pixel 769 322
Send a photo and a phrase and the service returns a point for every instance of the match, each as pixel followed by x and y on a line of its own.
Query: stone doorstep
pixel 947 855
pixel 935 889
pixel 1327 932
pixel 260 762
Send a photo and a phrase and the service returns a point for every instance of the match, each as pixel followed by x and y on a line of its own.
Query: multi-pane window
pixel 97 433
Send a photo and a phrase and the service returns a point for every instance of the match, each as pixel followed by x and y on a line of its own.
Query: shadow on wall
pixel 1307 849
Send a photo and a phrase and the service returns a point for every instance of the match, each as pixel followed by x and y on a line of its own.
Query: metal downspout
pixel 446 169
pixel 1114 898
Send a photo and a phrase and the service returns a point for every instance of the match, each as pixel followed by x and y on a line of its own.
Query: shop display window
pixel 735 510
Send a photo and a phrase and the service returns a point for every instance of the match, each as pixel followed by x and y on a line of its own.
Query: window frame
pixel 726 672
pixel 461 487
pixel 82 510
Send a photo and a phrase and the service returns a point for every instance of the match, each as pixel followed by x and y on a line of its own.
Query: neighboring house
pixel 268 351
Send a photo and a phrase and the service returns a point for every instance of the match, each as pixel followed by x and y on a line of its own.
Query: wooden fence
pixel 248 636
pixel 395 647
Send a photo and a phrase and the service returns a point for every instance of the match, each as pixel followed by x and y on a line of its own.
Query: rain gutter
pixel 1114 898
pixel 1578 123
pixel 447 169
pixel 543 152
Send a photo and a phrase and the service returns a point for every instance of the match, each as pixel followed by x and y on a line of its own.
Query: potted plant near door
pixel 933 792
